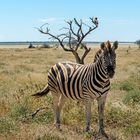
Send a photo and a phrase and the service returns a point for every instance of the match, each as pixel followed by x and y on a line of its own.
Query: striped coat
pixel 77 81
pixel 83 82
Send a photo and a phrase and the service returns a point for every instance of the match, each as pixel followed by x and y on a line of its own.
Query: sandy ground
pixel 13 46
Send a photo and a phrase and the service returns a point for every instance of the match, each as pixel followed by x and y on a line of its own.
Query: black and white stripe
pixel 83 82
pixel 78 81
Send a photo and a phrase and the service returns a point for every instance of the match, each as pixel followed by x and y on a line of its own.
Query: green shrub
pixel 127 86
pixel 118 117
pixel 132 129
pixel 115 116
pixel 46 117
pixel 115 86
pixel 90 134
pixel 132 97
pixel 73 113
pixel 7 125
pixel 21 109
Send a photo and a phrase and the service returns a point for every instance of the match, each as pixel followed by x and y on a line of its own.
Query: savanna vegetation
pixel 24 71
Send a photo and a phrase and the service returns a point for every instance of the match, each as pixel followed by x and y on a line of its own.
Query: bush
pixel 126 86
pixel 115 116
pixel 45 46
pixel 132 97
pixel 118 117
pixel 73 113
pixel 132 129
pixel 21 109
pixel 7 125
pixel 46 117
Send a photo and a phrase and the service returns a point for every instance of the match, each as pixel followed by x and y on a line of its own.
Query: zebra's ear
pixel 102 46
pixel 115 45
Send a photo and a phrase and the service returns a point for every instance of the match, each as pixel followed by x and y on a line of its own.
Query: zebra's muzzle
pixel 110 71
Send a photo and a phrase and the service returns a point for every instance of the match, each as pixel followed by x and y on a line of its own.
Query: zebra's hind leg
pixel 58 102
pixel 101 105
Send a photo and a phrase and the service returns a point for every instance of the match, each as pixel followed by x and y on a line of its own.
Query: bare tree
pixel 74 35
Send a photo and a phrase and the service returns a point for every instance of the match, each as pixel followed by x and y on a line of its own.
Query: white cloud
pixel 51 20
pixel 60 20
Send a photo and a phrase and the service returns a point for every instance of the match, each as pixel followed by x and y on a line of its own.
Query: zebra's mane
pixel 97 55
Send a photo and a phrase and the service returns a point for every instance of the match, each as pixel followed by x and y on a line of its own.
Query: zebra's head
pixel 109 57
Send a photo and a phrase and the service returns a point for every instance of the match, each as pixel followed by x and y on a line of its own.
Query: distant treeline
pixel 53 42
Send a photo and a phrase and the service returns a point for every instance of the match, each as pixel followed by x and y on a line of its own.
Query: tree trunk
pixel 77 58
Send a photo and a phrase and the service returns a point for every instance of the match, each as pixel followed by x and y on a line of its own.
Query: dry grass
pixel 24 71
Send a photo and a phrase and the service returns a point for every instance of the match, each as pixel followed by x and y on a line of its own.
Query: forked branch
pixel 74 35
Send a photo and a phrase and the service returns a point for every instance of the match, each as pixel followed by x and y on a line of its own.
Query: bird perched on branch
pixel 95 21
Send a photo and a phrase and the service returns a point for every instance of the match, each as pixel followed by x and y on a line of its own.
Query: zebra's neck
pixel 97 81
pixel 100 67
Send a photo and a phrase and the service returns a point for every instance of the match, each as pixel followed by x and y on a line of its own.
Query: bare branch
pixel 70 27
pixel 79 31
pixel 86 25
pixel 74 36
pixel 38 110
pixel 43 25
pixel 82 35
pixel 58 38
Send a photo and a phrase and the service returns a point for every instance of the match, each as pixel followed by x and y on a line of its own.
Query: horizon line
pixel 58 42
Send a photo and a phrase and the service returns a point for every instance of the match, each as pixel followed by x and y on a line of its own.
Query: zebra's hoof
pixel 87 129
pixel 58 127
pixel 103 133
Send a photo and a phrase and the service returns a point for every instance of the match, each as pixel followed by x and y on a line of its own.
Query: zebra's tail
pixel 42 92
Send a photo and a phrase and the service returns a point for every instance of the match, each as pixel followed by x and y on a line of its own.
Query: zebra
pixel 83 82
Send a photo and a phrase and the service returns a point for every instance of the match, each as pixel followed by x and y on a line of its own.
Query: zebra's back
pixel 67 78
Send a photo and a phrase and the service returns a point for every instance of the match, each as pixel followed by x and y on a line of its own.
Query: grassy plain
pixel 24 71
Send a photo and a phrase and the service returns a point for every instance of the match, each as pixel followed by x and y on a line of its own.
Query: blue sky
pixel 118 19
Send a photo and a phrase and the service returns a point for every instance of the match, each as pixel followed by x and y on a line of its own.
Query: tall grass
pixel 48 137
pixel 7 125
pixel 132 97
pixel 24 71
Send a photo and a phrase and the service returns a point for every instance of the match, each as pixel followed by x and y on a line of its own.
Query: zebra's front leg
pixel 88 113
pixel 101 105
